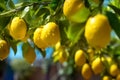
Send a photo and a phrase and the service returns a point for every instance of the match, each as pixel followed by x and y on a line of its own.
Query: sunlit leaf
pixel 75 31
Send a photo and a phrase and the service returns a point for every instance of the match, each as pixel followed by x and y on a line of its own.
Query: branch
pixel 21 7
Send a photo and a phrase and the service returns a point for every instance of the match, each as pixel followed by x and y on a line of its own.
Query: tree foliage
pixel 39 12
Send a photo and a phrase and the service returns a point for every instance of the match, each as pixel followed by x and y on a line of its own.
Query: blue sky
pixel 18 55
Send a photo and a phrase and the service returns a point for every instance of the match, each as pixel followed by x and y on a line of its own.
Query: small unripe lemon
pixel 114 70
pixel 18 28
pixel 63 55
pixel 86 71
pixel 37 39
pixel 97 31
pixel 50 33
pixel 97 66
pixel 80 58
pixel 4 49
pixel 30 55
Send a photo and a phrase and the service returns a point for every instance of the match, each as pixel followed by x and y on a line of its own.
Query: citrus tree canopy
pixel 83 33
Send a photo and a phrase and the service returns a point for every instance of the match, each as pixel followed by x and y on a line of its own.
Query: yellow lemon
pixel 75 10
pixel 58 45
pixel 25 38
pixel 106 78
pixel 50 33
pixel 86 71
pixel 18 28
pixel 80 58
pixel 63 55
pixel 97 66
pixel 37 39
pixel 4 49
pixel 97 31
pixel 29 55
pixel 114 70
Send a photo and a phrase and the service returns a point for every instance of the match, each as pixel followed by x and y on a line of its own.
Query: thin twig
pixel 21 7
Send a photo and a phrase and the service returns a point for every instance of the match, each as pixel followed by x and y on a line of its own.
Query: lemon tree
pixel 84 34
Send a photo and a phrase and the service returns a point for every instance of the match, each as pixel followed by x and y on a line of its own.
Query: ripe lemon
pixel 75 10
pixel 114 70
pixel 97 31
pixel 106 78
pixel 37 39
pixel 63 55
pixel 18 28
pixel 97 66
pixel 4 49
pixel 50 33
pixel 25 38
pixel 80 58
pixel 29 55
pixel 86 71
pixel 57 46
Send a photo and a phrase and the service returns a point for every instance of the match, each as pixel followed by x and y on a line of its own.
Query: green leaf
pixel 114 22
pixel 2 5
pixel 3 22
pixel 54 4
pixel 75 31
pixel 42 11
pixel 10 4
pixel 63 26
pixel 25 48
pixel 117 10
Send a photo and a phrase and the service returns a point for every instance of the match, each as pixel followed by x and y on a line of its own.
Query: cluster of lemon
pixel 60 54
pixel 90 65
pixel 43 37
pixel 97 34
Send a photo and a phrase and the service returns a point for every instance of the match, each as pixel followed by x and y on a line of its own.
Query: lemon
pixel 86 71
pixel 4 49
pixel 75 10
pixel 50 33
pixel 18 28
pixel 97 66
pixel 30 55
pixel 57 45
pixel 37 39
pixel 80 58
pixel 114 70
pixel 107 59
pixel 63 55
pixel 106 78
pixel 97 31
pixel 25 38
